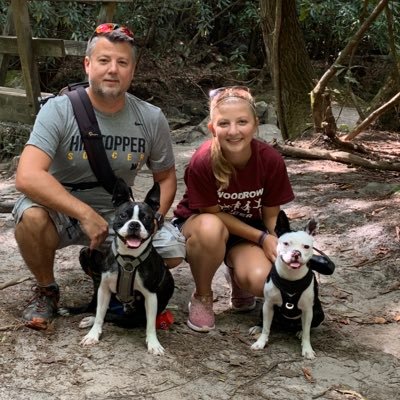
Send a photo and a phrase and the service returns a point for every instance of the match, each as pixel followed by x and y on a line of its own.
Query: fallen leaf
pixel 396 318
pixel 378 210
pixel 307 374
pixel 379 320
pixel 382 251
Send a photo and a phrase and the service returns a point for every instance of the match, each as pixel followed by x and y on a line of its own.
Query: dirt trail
pixel 357 346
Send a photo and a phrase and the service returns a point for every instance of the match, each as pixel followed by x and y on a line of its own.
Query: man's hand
pixel 96 228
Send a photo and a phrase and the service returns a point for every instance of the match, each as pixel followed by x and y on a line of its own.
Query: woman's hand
pixel 269 246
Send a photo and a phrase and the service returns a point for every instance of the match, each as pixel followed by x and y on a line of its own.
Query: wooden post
pixel 25 50
pixel 4 58
pixel 106 13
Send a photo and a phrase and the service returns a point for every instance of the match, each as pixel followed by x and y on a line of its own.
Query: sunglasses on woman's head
pixel 109 27
pixel 229 90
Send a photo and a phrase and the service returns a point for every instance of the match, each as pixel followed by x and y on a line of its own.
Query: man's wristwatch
pixel 159 219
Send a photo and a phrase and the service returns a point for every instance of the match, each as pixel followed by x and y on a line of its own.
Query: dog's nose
pixel 134 226
pixel 296 254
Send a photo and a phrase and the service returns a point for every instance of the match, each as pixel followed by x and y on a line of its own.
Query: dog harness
pixel 127 267
pixel 291 292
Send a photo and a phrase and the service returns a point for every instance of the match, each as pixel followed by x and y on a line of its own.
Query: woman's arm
pixel 237 227
pixel 234 225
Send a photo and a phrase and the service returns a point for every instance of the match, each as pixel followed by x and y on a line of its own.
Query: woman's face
pixel 234 125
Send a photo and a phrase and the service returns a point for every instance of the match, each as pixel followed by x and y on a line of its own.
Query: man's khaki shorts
pixel 168 241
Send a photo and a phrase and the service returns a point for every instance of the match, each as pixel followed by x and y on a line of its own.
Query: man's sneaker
pixel 241 301
pixel 42 308
pixel 201 314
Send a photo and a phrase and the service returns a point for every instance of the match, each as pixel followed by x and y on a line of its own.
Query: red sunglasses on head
pixel 109 27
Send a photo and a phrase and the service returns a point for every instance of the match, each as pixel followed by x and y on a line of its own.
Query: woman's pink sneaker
pixel 201 314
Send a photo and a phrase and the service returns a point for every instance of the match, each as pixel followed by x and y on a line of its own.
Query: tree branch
pixel 338 156
pixel 349 47
pixel 372 117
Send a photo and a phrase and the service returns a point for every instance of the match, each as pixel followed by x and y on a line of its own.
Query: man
pixel 52 213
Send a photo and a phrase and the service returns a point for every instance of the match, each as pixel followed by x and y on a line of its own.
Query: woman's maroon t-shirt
pixel 262 182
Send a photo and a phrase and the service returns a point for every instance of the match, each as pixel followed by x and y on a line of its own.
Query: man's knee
pixel 35 222
pixel 173 262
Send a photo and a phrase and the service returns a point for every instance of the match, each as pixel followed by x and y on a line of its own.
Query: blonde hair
pixel 222 169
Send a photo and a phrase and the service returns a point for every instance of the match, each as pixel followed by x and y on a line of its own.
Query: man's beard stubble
pixel 106 92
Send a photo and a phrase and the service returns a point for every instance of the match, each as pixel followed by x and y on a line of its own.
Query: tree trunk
pixel 321 110
pixel 290 65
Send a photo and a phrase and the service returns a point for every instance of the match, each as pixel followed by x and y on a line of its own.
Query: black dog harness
pixel 291 292
pixel 127 267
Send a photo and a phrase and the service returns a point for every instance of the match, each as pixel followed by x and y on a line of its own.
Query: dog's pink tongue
pixel 133 243
pixel 295 264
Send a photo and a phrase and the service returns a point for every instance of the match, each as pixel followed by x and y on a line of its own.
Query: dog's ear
pixel 153 197
pixel 312 227
pixel 122 193
pixel 282 224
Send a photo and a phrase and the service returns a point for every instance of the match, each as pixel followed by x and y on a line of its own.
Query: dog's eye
pixel 306 246
pixel 123 215
pixel 286 243
pixel 147 219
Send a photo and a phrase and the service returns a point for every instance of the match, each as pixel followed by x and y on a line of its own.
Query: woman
pixel 235 187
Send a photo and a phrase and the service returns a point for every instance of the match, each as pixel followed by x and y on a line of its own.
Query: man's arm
pixel 34 180
pixel 168 185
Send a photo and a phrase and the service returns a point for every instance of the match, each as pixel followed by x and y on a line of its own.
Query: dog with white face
pixel 290 291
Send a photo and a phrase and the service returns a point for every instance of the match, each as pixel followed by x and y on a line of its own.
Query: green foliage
pixel 215 31
pixel 67 20
pixel 328 25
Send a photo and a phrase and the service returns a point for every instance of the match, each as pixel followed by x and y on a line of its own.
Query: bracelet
pixel 262 238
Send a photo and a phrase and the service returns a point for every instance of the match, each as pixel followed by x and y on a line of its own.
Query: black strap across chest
pixel 92 141
pixel 291 291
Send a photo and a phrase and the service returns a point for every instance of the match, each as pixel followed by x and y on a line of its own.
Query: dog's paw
pixel 155 348
pixel 86 322
pixel 308 352
pixel 89 340
pixel 255 330
pixel 259 345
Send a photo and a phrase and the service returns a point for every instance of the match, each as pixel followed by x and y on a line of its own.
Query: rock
pixel 269 132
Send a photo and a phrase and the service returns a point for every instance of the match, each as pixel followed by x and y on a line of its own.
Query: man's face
pixel 110 68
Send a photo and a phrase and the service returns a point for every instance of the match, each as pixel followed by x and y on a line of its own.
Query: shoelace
pixel 39 298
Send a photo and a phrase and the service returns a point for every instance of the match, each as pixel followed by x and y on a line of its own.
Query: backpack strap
pixel 92 137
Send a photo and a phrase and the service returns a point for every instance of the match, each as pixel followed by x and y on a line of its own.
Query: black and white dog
pixel 133 265
pixel 291 292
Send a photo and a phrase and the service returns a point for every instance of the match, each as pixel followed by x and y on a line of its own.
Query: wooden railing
pixel 22 105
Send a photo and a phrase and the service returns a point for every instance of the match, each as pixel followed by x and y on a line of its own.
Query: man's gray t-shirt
pixel 137 135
